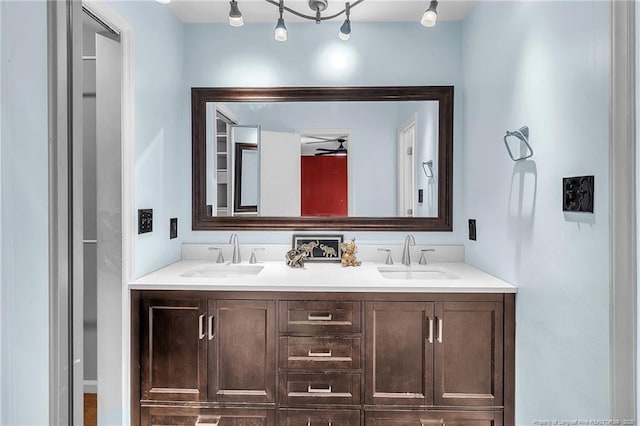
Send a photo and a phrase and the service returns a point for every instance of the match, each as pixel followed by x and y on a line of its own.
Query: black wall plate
pixel 577 194
pixel 472 229
pixel 173 228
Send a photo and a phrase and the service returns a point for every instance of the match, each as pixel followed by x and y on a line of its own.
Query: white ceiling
pixel 255 11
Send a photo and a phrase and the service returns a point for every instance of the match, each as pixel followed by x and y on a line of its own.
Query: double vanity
pixel 264 344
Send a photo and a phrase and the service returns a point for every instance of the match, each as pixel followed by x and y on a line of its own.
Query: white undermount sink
pixel 416 273
pixel 223 270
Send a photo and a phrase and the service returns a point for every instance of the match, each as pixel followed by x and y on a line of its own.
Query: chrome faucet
pixel 236 248
pixel 406 256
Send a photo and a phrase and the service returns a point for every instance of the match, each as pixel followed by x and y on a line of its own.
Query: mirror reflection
pixel 322 159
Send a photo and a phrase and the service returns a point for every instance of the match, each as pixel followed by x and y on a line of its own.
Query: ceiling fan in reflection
pixel 339 150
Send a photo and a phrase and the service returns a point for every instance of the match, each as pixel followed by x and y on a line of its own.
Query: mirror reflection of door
pixel 245 170
pixel 324 175
pixel 406 169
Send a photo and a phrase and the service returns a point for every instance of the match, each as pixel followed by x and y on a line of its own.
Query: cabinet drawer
pixel 319 418
pixel 319 388
pixel 433 418
pixel 184 416
pixel 320 317
pixel 319 353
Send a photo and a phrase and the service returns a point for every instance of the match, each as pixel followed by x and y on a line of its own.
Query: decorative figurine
pixel 295 258
pixel 308 247
pixel 349 250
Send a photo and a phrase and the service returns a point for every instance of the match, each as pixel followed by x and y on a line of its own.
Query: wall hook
pixel 522 134
pixel 429 165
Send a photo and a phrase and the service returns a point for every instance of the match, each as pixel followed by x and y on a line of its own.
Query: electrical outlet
pixel 173 228
pixel 145 221
pixel 472 229
pixel 577 194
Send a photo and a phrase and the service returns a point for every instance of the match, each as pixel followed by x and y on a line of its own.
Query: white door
pixel 406 169
pixel 279 174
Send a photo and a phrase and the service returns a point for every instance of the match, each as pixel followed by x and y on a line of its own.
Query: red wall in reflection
pixel 324 186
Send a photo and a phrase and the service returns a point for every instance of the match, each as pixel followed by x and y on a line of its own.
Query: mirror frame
pixel 200 96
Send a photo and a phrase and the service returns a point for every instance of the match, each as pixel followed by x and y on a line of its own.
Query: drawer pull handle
pixel 312 317
pixel 309 423
pixel 201 327
pixel 311 389
pixel 319 354
pixel 430 422
pixel 208 421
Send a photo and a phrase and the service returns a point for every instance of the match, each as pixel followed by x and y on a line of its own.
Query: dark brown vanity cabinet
pixel 303 359
pixel 434 353
pixel 207 350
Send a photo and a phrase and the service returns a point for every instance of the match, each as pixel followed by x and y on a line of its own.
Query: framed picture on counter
pixel 321 248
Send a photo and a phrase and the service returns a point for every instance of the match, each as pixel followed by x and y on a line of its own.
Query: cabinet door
pixel 184 416
pixel 433 418
pixel 173 350
pixel 469 353
pixel 399 355
pixel 242 361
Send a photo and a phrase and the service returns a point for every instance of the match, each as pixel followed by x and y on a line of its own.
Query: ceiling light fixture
pixel 235 16
pixel 345 29
pixel 280 33
pixel 164 1
pixel 430 16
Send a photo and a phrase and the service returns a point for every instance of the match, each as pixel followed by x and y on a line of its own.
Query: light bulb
pixel 429 18
pixel 280 33
pixel 345 30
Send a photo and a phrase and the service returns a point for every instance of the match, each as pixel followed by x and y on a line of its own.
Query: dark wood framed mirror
pixel 202 98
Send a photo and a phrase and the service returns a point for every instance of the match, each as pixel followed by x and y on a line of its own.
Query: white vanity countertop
pixel 323 277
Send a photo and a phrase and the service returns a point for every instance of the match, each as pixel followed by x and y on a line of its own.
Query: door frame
pixel 623 229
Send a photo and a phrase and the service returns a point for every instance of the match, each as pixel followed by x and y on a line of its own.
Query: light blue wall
pixel 545 65
pixel 377 54
pixel 24 309
pixel 162 134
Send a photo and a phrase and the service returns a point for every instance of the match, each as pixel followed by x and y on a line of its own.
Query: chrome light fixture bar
pixel 429 17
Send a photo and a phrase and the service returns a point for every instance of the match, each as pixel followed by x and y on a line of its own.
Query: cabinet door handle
pixel 319 354
pixel 440 322
pixel 311 389
pixel 312 317
pixel 309 423
pixel 430 338
pixel 201 327
pixel 211 330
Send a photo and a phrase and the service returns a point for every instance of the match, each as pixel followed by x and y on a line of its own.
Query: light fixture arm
pixel 318 18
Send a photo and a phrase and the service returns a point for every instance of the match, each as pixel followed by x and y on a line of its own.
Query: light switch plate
pixel 472 229
pixel 577 194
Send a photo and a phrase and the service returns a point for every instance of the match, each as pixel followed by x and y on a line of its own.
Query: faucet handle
pixel 252 259
pixel 388 260
pixel 220 257
pixel 423 258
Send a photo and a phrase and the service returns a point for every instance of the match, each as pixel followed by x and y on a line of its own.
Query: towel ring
pixel 522 134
